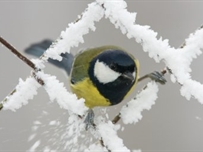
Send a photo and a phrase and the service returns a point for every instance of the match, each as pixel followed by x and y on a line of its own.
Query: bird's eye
pixel 112 66
pixel 72 81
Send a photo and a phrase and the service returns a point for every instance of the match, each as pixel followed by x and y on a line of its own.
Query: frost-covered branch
pixel 58 92
pixel 22 87
pixel 73 35
pixel 22 58
pixel 108 132
pixel 5 100
pixel 24 91
pixel 131 113
pixel 159 49
pixel 143 100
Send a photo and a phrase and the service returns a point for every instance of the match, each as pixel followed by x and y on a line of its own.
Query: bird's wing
pixel 37 49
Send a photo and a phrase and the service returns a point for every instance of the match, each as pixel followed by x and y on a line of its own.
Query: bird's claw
pixel 89 119
pixel 157 76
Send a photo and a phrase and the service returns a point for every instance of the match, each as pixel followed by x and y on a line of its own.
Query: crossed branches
pixel 142 34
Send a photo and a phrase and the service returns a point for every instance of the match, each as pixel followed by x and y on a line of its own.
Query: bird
pixel 103 76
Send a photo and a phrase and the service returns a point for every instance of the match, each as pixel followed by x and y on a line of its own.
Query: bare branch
pixel 17 53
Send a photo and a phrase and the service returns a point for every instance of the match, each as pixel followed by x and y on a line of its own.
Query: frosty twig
pixel 25 60
pixel 22 57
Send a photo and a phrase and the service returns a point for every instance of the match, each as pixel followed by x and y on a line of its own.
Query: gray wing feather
pixel 37 49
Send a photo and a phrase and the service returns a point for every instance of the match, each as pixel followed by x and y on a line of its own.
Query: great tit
pixel 103 76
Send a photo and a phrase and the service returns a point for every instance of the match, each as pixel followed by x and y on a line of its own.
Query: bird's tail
pixel 37 49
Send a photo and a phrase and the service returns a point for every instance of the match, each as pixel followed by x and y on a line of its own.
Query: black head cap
pixel 117 60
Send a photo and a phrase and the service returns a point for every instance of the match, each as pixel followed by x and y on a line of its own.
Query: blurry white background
pixel 173 123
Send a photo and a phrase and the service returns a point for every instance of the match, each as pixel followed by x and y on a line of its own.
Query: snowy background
pixel 173 123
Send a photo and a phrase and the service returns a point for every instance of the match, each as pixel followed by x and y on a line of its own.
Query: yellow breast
pixel 85 89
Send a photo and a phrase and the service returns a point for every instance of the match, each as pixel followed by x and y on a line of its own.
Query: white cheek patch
pixel 103 73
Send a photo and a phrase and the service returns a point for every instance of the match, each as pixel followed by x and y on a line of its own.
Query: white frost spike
pixel 58 92
pixel 110 138
pixel 144 100
pixel 25 90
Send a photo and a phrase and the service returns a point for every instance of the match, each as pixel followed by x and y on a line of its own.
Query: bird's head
pixel 113 71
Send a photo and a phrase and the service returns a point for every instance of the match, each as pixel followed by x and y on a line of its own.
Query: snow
pixel 58 92
pixel 108 132
pixel 53 122
pixel 116 11
pixel 35 145
pixel 192 88
pixel 34 128
pixel 31 137
pixel 159 49
pixel 38 63
pixel 131 113
pixel 66 133
pixel 37 122
pixel 96 148
pixel 24 91
pixel 73 35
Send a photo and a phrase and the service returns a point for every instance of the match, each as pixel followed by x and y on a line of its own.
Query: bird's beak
pixel 129 76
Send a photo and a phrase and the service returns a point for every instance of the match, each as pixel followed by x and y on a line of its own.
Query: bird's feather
pixel 37 49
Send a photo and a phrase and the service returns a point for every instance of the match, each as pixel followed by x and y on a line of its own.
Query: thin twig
pixel 116 119
pixel 39 80
pixel 23 58
pixel 143 77
pixel 102 144
pixel 17 53
pixel 148 75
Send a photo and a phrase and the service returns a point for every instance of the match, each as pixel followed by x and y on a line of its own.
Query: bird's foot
pixel 158 77
pixel 89 119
